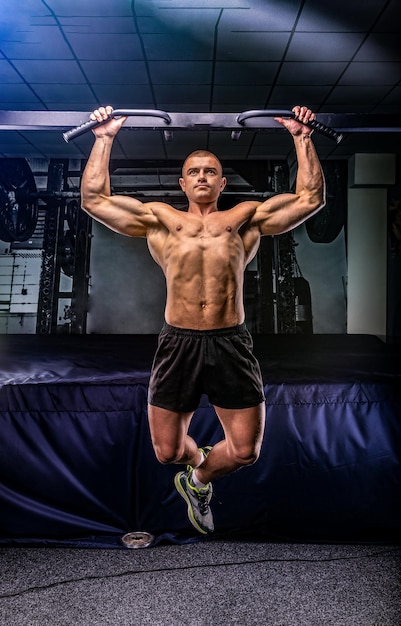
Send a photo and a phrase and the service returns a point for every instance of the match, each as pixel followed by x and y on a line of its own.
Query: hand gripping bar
pixel 314 124
pixel 83 128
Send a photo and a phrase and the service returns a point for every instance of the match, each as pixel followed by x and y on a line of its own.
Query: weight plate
pixel 139 539
pixel 326 225
pixel 18 209
pixel 67 253
pixel 73 214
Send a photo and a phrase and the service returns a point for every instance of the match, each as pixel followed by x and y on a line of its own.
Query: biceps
pixel 287 211
pixel 126 216
pixel 276 214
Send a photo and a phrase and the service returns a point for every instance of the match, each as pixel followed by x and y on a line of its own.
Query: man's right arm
pixel 122 214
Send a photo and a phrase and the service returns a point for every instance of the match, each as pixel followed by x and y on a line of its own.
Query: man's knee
pixel 246 455
pixel 166 454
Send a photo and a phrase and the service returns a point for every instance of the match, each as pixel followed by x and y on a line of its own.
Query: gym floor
pixel 202 584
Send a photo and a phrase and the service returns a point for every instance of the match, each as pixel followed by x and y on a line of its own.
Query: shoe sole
pixel 184 495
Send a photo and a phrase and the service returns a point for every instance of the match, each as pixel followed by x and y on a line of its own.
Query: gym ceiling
pixel 340 57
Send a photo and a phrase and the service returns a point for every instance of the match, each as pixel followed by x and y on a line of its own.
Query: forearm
pixel 96 178
pixel 286 211
pixel 310 180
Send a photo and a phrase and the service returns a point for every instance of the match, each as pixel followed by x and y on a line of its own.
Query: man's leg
pixel 170 439
pixel 243 429
pixel 172 444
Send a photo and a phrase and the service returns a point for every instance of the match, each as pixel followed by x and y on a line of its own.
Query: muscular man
pixel 204 346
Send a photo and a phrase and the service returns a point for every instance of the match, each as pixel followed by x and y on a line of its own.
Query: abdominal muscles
pixel 204 284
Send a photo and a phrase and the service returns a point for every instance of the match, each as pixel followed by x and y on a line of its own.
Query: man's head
pixel 202 153
pixel 202 177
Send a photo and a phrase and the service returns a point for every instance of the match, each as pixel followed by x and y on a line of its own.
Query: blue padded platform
pixel 77 465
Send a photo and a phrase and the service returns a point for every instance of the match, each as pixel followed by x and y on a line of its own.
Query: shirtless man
pixel 204 346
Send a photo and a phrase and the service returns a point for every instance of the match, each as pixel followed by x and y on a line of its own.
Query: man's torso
pixel 203 259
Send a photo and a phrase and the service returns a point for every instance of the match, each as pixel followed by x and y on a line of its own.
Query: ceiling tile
pixel 383 47
pixel 115 72
pixel 345 107
pixel 390 20
pixel 310 73
pixel 83 7
pixel 8 74
pixel 256 46
pixel 363 94
pixel 182 94
pixel 298 94
pixel 66 93
pixel 150 25
pixel 123 47
pixel 49 71
pixel 125 96
pixel 104 25
pixel 252 96
pixel 177 48
pixel 17 93
pixel 25 105
pixel 276 15
pixel 234 107
pixel 189 19
pixel 371 74
pixel 334 47
pixel 9 137
pixel 393 97
pixel 41 42
pixel 339 16
pixel 49 142
pixel 245 73
pixel 180 72
pixel 85 105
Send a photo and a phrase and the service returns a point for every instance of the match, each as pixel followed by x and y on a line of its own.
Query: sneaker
pixel 199 513
pixel 205 451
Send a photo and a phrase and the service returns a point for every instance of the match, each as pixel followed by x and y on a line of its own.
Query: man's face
pixel 202 180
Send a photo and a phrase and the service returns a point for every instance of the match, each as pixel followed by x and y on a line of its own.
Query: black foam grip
pixel 80 130
pixel 83 128
pixel 314 124
pixel 325 130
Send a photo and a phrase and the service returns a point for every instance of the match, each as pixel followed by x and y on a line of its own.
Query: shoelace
pixel 203 502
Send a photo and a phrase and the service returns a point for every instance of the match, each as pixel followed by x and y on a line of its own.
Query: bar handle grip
pixel 314 124
pixel 86 126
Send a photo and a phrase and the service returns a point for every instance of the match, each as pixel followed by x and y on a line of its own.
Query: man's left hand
pixel 293 125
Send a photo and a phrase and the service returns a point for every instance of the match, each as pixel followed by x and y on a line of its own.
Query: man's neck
pixel 202 209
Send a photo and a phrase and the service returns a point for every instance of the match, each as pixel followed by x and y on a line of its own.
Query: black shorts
pixel 219 363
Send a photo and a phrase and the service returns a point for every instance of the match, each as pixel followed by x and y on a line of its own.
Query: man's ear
pixel 223 183
pixel 182 183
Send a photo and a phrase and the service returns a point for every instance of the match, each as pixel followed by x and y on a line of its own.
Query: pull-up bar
pixel 196 120
pixel 70 123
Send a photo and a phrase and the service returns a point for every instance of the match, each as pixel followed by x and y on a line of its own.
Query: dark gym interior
pixel 314 526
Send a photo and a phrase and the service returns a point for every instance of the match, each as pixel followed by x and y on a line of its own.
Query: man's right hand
pixel 111 127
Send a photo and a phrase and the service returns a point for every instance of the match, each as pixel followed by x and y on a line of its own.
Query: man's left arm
pixel 284 212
